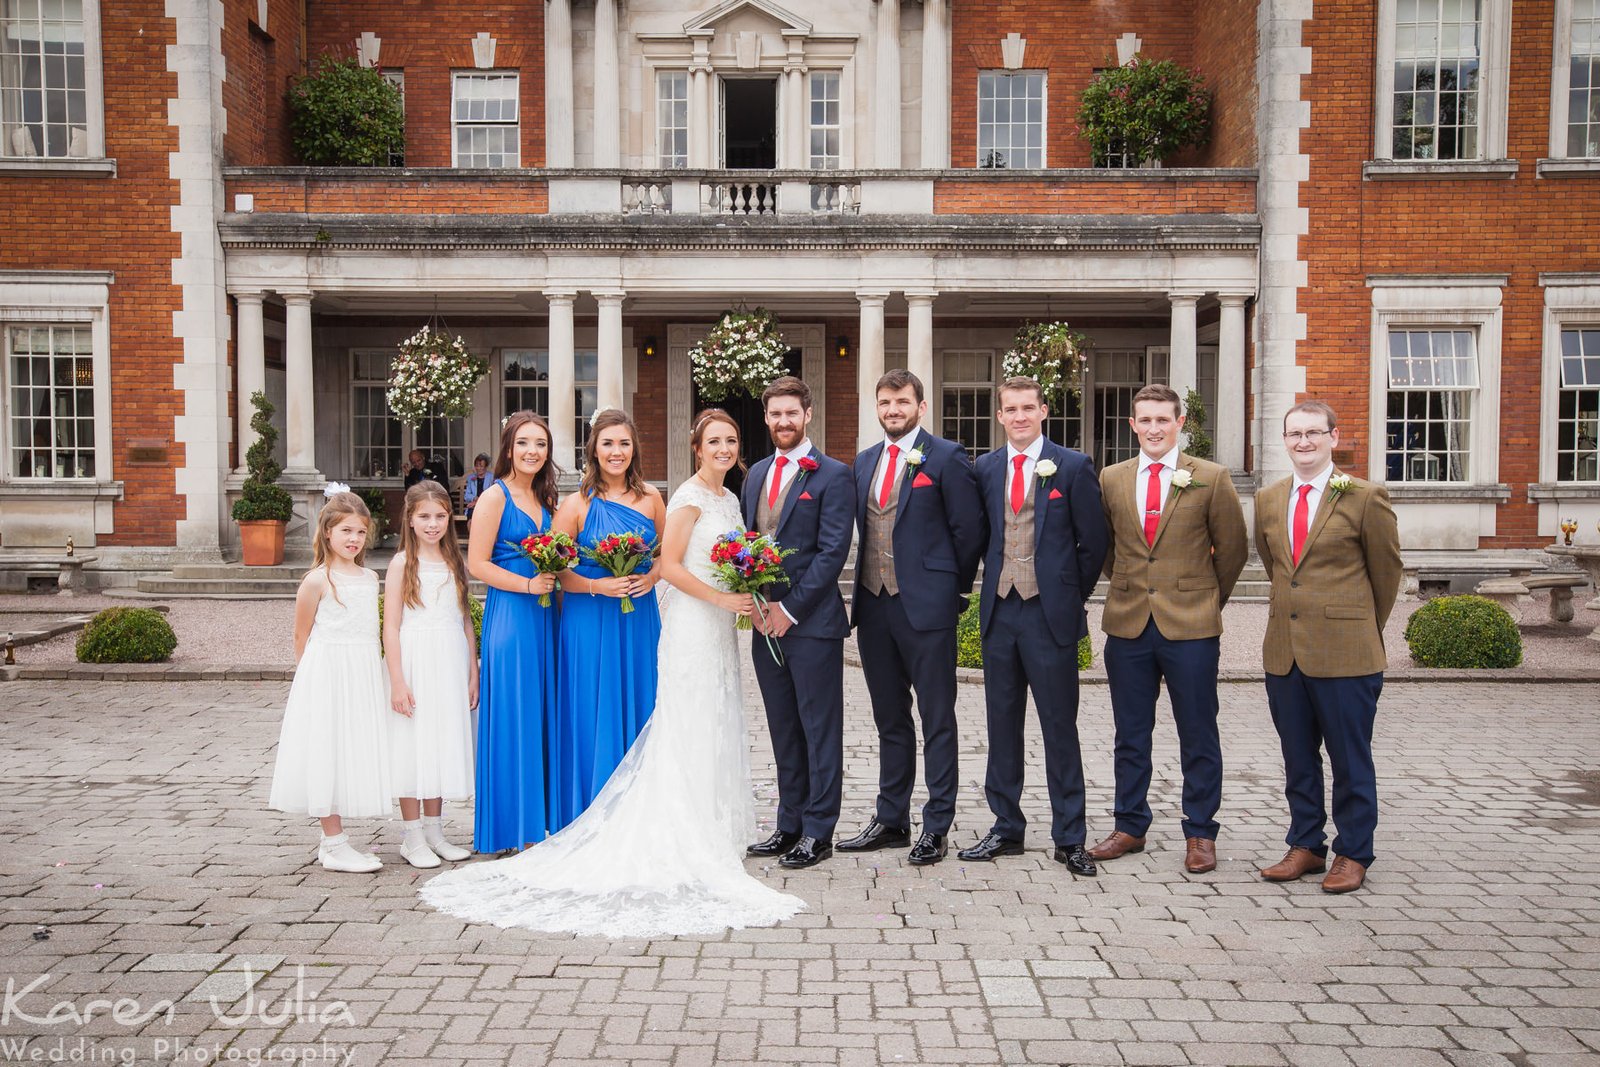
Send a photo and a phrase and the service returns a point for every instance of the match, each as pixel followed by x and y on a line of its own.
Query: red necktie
pixel 1152 505
pixel 777 481
pixel 1018 490
pixel 1302 513
pixel 888 477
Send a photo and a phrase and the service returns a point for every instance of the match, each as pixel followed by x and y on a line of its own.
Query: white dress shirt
pixel 1033 452
pixel 790 469
pixel 1313 498
pixel 904 444
pixel 1141 484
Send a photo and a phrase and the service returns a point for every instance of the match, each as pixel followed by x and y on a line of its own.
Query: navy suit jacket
pixel 1070 537
pixel 815 522
pixel 939 530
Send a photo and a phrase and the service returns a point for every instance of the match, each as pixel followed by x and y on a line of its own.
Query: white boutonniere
pixel 914 457
pixel 1339 484
pixel 1182 479
pixel 1045 468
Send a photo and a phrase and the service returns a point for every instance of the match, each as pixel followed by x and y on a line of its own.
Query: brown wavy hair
pixel 702 421
pixel 430 491
pixel 634 479
pixel 338 506
pixel 547 478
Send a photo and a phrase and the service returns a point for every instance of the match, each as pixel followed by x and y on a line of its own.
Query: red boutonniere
pixel 807 464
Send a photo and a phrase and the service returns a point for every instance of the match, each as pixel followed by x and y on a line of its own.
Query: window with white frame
pixel 1582 135
pixel 1011 119
pixel 44 79
pixel 1433 381
pixel 1438 54
pixel 1119 374
pixel 672 118
pixel 586 383
pixel 1578 406
pixel 967 400
pixel 485 118
pixel 51 404
pixel 379 442
pixel 397 78
pixel 525 380
pixel 825 120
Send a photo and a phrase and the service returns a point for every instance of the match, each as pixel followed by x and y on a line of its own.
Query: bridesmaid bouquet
pixel 746 561
pixel 550 553
pixel 620 554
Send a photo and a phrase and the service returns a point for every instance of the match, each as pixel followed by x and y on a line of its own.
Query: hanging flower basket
pixel 1051 353
pixel 743 353
pixel 433 376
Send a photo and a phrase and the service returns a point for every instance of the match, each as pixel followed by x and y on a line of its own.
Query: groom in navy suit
pixel 922 534
pixel 807 502
pixel 1047 542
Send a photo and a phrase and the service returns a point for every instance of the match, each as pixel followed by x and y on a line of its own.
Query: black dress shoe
pixel 930 848
pixel 807 852
pixel 780 842
pixel 992 846
pixel 1076 857
pixel 877 836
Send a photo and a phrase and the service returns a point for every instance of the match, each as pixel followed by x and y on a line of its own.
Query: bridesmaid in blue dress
pixel 606 687
pixel 517 679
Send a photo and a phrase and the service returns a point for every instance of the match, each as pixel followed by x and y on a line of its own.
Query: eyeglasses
pixel 1294 437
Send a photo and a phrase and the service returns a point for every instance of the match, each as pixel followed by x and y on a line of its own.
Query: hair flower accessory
pixel 1045 468
pixel 333 489
pixel 596 416
pixel 915 457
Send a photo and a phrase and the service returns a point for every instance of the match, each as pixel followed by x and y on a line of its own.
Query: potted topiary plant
pixel 1144 113
pixel 263 510
pixel 345 115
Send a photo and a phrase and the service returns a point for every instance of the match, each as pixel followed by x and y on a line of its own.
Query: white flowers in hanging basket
pixel 743 353
pixel 1052 354
pixel 433 376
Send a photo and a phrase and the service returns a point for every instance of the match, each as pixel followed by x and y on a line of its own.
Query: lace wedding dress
pixel 660 851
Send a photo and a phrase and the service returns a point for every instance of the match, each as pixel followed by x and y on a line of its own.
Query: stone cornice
pixel 1136 176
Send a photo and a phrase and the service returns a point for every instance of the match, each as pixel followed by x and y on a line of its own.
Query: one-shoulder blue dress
pixel 516 698
pixel 606 686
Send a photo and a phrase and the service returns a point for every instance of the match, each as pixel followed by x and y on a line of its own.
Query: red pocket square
pixel 921 480
pixel 1055 494
pixel 805 496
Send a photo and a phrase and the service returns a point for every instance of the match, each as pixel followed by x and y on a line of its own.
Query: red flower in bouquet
pixel 746 561
pixel 620 554
pixel 550 553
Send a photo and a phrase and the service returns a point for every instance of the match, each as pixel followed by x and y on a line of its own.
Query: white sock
pixel 336 840
pixel 413 832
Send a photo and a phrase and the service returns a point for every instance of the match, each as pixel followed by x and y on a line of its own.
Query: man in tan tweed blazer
pixel 1178 543
pixel 1330 544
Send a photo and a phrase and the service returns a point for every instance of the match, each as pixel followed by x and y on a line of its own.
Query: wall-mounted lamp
pixel 649 347
pixel 842 346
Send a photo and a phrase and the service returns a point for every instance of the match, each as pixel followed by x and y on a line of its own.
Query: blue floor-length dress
pixel 606 687
pixel 516 698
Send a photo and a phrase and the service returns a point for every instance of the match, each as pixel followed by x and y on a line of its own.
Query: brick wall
pixel 1225 55
pixel 986 195
pixel 511 194
pixel 261 63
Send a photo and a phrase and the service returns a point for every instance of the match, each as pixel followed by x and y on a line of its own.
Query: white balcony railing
pixel 733 193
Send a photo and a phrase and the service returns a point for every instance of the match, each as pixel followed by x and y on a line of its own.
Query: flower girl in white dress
pixel 432 656
pixel 333 750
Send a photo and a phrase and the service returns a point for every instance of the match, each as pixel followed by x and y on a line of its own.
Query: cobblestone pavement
pixel 139 861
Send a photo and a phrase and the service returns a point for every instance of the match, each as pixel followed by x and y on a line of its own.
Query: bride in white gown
pixel 660 851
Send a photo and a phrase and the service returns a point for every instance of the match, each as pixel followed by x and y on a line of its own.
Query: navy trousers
pixel 1338 713
pixel 1136 667
pixel 897 659
pixel 1019 655
pixel 804 697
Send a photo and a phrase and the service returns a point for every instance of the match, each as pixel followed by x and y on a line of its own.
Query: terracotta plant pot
pixel 261 541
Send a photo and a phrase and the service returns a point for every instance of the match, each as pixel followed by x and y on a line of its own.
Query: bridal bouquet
pixel 620 554
pixel 550 553
pixel 747 561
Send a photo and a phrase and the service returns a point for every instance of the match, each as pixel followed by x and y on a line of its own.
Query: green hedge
pixel 969 642
pixel 127 635
pixel 1463 632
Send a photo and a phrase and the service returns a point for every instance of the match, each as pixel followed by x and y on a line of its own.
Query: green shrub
pixel 378 505
pixel 473 603
pixel 127 635
pixel 261 496
pixel 969 642
pixel 1199 445
pixel 1147 110
pixel 346 115
pixel 1463 632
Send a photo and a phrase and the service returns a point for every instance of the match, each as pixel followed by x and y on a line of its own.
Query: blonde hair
pixel 339 506
pixel 423 492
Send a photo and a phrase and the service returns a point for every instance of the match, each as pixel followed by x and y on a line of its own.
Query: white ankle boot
pixel 414 848
pixel 337 854
pixel 433 832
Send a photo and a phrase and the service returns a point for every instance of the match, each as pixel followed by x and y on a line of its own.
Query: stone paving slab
pixel 138 861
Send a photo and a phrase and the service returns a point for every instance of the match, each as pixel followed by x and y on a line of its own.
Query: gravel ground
pixel 261 632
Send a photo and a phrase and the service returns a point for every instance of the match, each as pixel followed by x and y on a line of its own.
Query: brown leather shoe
pixel 1118 844
pixel 1200 855
pixel 1296 863
pixel 1346 876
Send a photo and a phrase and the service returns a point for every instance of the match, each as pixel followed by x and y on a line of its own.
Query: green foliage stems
pixel 1195 426
pixel 1148 110
pixel 969 642
pixel 1463 633
pixel 262 498
pixel 345 115
pixel 127 635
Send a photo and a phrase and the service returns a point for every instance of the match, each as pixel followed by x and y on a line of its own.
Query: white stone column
pixel 869 364
pixel 250 355
pixel 563 375
pixel 919 337
pixel 300 414
pixel 1181 350
pixel 935 84
pixel 607 87
pixel 796 153
pixel 609 388
pixel 1227 421
pixel 701 150
pixel 558 102
pixel 886 87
